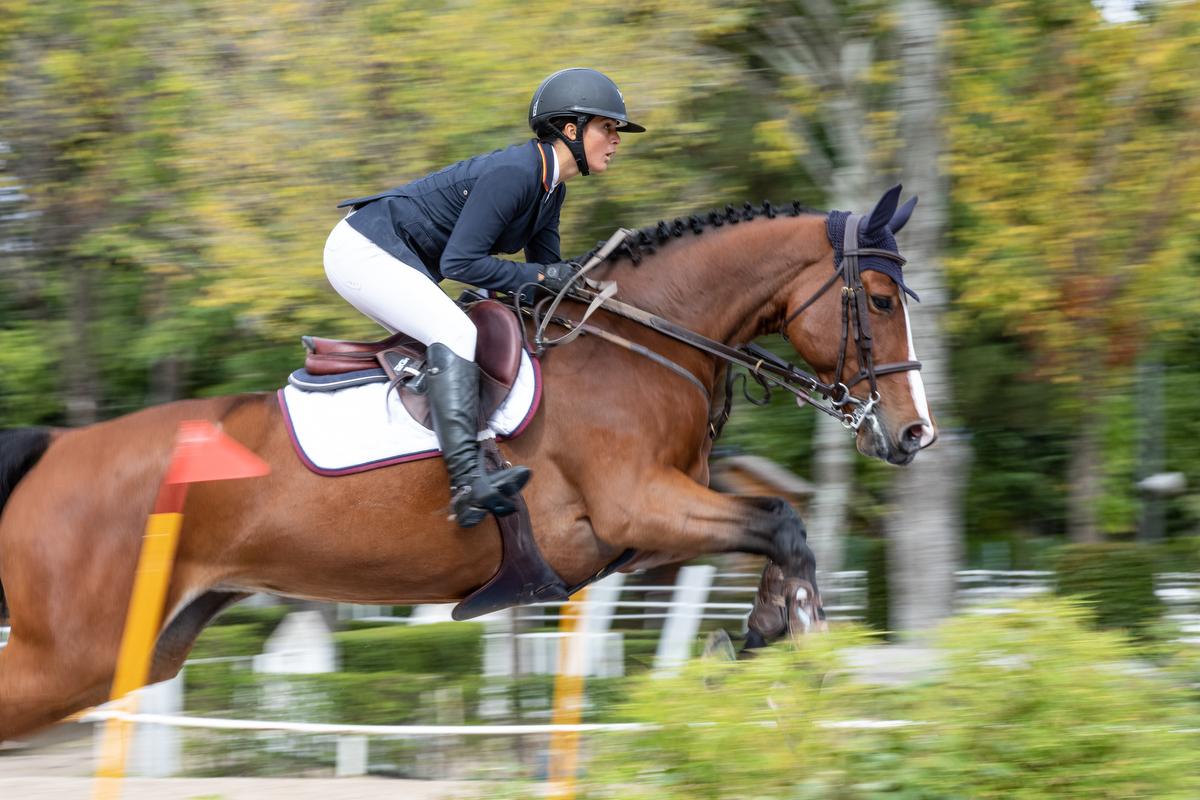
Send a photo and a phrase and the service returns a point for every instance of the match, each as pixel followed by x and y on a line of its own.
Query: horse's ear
pixel 902 214
pixel 883 212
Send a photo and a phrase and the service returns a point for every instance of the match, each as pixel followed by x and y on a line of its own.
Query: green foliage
pixel 224 641
pixel 447 648
pixel 1074 162
pixel 266 618
pixel 1030 704
pixel 878 602
pixel 1117 577
pixel 221 689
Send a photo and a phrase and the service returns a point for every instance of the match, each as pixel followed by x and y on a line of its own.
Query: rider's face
pixel 600 140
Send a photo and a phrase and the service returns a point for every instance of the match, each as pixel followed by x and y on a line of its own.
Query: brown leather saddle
pixel 497 351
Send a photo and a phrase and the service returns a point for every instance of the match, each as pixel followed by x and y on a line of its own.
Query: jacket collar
pixel 546 155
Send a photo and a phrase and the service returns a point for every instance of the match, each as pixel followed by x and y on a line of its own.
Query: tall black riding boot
pixel 453 386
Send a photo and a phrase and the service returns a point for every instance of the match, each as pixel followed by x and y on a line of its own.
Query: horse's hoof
pixel 805 614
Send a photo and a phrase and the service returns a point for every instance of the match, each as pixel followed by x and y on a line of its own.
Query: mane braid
pixel 646 241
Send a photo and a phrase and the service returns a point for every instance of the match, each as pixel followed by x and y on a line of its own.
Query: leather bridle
pixel 763 366
pixel 856 317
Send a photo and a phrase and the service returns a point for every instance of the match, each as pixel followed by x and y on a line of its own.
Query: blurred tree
pixel 925 526
pixel 1076 163
pixel 92 118
pixel 813 62
pixel 859 94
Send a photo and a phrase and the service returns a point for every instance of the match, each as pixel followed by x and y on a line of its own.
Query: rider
pixel 387 256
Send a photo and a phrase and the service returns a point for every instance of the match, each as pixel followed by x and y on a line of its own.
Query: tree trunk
pixel 833 466
pixel 1084 477
pixel 833 451
pixel 925 525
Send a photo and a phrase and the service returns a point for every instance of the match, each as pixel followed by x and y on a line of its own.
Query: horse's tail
pixel 20 449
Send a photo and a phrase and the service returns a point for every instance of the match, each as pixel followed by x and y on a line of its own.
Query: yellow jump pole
pixel 202 453
pixel 568 698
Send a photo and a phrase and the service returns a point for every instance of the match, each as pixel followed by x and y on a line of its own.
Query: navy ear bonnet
pixel 882 239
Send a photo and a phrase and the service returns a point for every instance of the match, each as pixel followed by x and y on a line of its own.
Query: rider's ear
pixel 571 131
pixel 902 214
pixel 883 211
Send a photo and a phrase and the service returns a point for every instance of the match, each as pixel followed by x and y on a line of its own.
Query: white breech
pixel 398 296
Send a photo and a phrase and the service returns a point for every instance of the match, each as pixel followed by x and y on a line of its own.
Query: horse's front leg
pixel 788 599
pixel 674 513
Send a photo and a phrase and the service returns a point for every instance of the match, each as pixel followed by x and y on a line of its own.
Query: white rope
pixel 376 730
pixel 433 730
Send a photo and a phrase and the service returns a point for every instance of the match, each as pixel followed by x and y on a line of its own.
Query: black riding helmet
pixel 580 93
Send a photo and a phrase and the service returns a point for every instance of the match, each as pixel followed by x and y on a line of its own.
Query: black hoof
pixel 754 641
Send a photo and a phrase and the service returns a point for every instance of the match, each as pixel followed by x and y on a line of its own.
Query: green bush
pixel 1180 555
pixel 445 648
pixel 1117 578
pixel 878 606
pixel 222 641
pixel 224 689
pixel 1028 705
pixel 267 618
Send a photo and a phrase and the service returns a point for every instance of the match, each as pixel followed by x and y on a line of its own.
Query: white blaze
pixel 915 385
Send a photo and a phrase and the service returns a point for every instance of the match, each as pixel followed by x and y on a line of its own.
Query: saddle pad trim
pixel 301 379
pixel 407 457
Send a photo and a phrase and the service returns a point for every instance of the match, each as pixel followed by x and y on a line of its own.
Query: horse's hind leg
pixel 678 515
pixel 41 683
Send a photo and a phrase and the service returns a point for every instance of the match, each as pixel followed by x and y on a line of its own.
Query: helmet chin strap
pixel 576 145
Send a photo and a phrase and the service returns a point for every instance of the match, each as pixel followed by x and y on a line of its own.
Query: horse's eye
pixel 881 302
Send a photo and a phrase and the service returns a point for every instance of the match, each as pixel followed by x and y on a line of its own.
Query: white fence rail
pixel 729 597
pixel 1180 593
pixel 984 590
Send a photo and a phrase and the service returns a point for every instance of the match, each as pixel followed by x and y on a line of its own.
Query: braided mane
pixel 646 241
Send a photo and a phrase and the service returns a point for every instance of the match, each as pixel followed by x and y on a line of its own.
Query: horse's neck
pixel 727 284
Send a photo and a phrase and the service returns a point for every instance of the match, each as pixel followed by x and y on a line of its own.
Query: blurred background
pixel 169 172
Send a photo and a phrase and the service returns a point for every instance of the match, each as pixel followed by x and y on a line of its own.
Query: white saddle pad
pixel 366 427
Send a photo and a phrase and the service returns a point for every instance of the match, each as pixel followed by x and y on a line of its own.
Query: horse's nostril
pixel 910 441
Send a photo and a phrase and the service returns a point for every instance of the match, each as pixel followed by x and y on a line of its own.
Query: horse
pixel 619 451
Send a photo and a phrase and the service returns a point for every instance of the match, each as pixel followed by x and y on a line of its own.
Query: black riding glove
pixel 556 276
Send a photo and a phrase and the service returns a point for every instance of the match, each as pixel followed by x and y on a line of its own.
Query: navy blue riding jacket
pixel 452 222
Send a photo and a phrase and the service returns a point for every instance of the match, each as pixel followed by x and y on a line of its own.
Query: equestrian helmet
pixel 579 92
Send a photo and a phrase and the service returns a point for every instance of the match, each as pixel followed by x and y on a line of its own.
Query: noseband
pixel 856 316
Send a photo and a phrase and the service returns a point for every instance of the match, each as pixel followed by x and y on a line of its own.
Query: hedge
pixel 267 618
pixel 220 641
pixel 444 648
pixel 1028 705
pixel 1117 578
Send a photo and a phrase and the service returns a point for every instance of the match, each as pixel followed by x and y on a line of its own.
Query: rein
pixel 767 370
